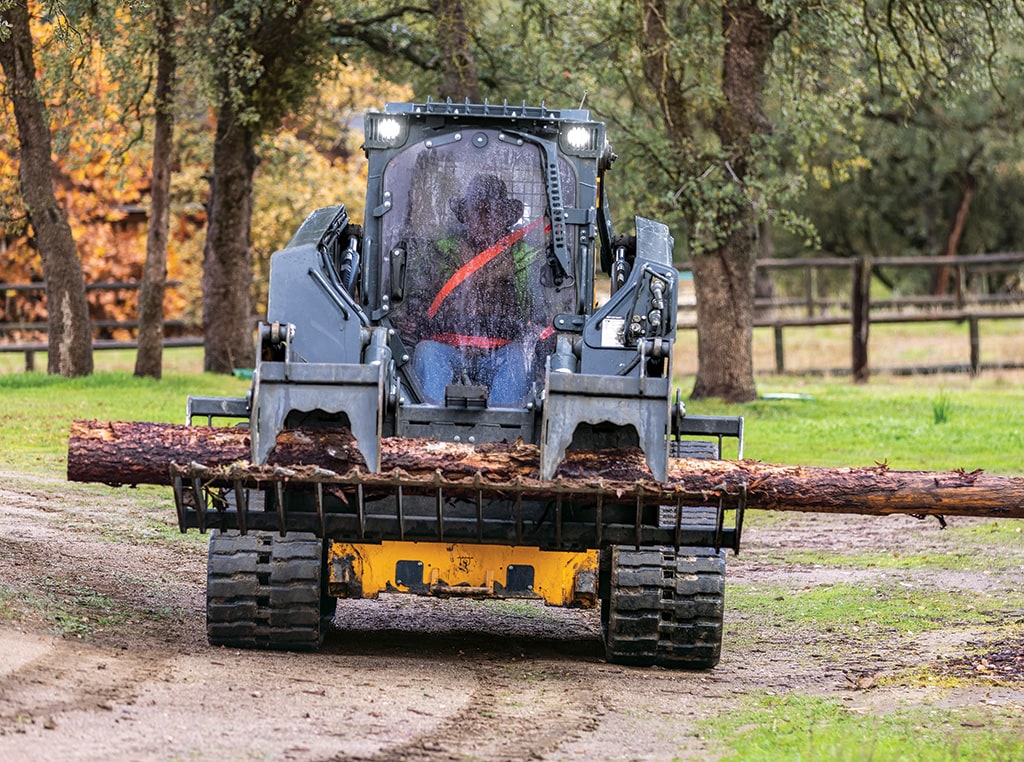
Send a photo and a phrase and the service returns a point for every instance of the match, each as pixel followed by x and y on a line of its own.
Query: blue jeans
pixel 504 370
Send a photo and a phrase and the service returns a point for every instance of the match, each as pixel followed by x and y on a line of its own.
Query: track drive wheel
pixel 662 606
pixel 266 591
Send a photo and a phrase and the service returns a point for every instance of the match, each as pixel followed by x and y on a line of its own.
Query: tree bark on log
pixel 146 453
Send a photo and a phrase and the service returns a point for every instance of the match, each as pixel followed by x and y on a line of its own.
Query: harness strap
pixel 463 273
pixel 476 342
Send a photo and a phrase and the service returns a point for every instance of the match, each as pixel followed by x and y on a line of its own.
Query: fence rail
pixel 10 293
pixel 971 301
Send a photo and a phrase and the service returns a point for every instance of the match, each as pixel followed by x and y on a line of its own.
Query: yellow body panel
pixel 447 569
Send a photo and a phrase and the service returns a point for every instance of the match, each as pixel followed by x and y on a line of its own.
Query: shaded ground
pixel 102 638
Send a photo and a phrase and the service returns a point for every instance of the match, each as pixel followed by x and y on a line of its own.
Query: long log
pixel 145 453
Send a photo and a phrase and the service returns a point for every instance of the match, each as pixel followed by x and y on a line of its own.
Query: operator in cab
pixel 479 326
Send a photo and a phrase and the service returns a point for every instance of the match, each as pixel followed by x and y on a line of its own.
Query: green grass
pixel 895 420
pixel 891 420
pixel 942 407
pixel 883 607
pixel 993 533
pixel 39 408
pixel 888 420
pixel 812 729
pixel 968 560
pixel 70 608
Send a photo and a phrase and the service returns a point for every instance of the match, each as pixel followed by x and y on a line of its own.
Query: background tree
pixel 266 57
pixel 734 100
pixel 69 334
pixel 149 359
pixel 725 224
pixel 736 122
pixel 938 176
pixel 458 65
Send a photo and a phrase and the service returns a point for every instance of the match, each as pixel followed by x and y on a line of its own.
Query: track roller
pixel 662 606
pixel 266 591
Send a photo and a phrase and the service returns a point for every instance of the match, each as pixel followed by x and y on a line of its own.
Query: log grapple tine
pixel 440 506
pixel 679 521
pixel 519 512
pixel 241 505
pixel 200 493
pixel 719 521
pixel 281 513
pixel 479 507
pixel 639 518
pixel 361 509
pixel 320 508
pixel 179 503
pixel 400 508
pixel 741 507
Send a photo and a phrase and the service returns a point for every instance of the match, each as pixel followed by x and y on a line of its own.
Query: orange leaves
pixel 99 101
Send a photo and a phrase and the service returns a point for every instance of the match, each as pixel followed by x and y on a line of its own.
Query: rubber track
pixel 264 591
pixel 665 607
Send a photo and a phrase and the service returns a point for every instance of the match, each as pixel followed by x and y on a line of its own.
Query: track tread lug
pixel 264 591
pixel 664 607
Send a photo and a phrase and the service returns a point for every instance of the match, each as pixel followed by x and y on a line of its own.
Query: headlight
pixel 582 139
pixel 389 129
pixel 578 137
pixel 385 131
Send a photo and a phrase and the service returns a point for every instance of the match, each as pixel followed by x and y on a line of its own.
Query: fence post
pixel 780 359
pixel 972 322
pixel 860 308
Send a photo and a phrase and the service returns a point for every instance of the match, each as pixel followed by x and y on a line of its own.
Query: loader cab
pixel 463 308
pixel 480 231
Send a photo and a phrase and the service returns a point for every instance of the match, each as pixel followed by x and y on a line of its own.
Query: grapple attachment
pixel 487 495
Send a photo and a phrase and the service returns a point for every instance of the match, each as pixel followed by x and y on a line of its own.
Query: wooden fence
pixel 177 333
pixel 970 299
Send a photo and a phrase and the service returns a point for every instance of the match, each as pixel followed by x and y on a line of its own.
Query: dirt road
pixel 103 652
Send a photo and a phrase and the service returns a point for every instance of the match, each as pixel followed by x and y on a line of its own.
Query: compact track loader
pixel 463 310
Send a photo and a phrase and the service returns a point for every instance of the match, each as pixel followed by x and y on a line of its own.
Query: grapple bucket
pixel 363 507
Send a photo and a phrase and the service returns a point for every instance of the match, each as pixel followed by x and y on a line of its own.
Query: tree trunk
pixel 457 63
pixel 143 453
pixel 940 279
pixel 724 278
pixel 227 263
pixel 149 360
pixel 70 336
pixel 724 287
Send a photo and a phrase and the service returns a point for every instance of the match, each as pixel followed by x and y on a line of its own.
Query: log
pixel 148 453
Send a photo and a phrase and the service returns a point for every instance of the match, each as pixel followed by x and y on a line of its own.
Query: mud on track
pixel 103 652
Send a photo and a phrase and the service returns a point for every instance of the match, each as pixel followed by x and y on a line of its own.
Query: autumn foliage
pixel 98 101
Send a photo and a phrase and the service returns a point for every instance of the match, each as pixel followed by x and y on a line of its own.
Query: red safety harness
pixel 463 274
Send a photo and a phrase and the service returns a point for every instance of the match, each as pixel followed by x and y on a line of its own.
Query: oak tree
pixel 265 58
pixel 69 335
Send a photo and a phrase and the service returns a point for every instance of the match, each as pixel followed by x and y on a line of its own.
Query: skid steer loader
pixel 463 310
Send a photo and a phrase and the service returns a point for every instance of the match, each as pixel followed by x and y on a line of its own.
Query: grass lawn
pixel 38 408
pixel 925 422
